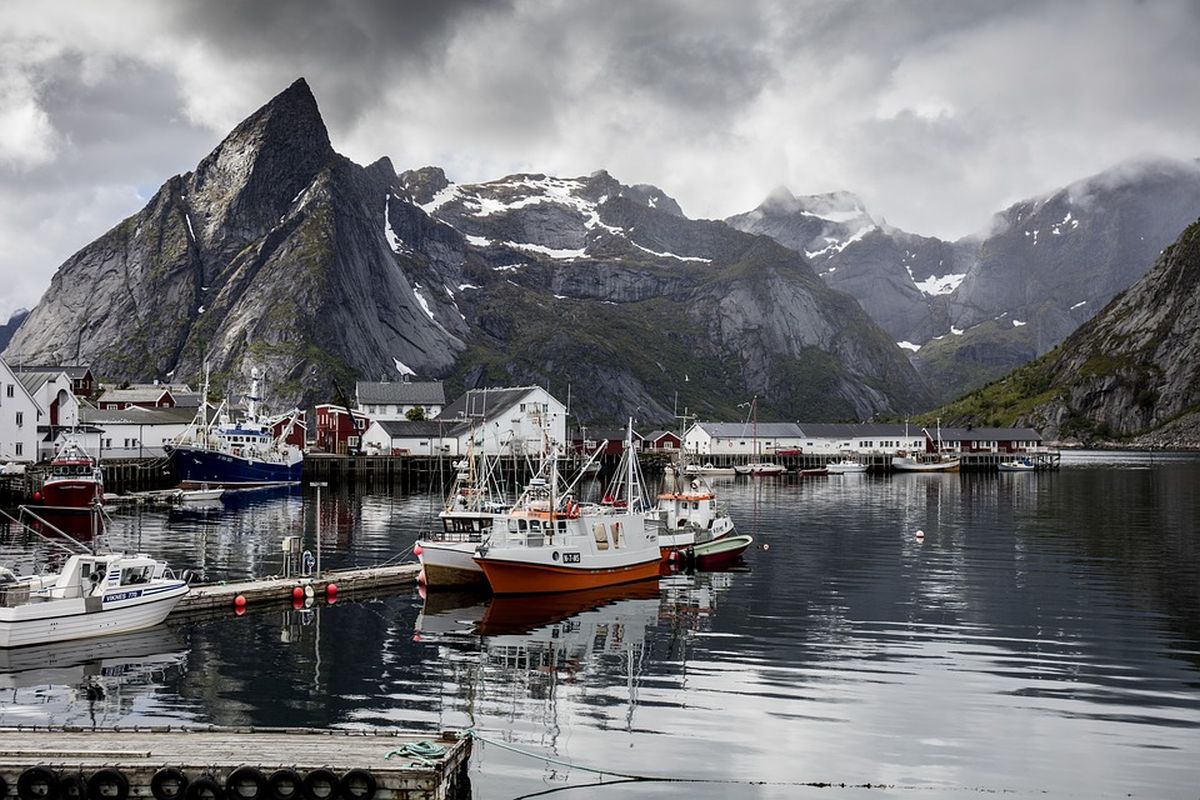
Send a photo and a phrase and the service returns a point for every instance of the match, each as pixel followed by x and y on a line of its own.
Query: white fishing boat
pixel 757 467
pixel 93 595
pixel 845 466
pixel 475 502
pixel 927 462
pixel 708 470
pixel 204 495
pixel 1018 465
pixel 550 543
pixel 689 514
pixel 760 468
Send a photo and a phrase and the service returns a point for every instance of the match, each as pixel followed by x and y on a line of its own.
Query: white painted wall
pixel 376 440
pixel 520 427
pixel 130 440
pixel 20 416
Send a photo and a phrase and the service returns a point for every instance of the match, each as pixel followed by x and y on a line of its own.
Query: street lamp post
pixel 318 485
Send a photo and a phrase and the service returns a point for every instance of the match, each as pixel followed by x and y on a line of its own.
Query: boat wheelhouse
pixel 75 481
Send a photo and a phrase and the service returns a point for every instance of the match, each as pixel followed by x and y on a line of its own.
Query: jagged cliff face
pixel 1132 368
pixel 9 329
pixel 278 253
pixel 972 310
pixel 272 253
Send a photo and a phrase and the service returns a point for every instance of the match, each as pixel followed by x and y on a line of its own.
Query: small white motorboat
pixel 93 595
pixel 708 469
pixel 200 495
pixel 760 468
pixel 845 466
pixel 1018 465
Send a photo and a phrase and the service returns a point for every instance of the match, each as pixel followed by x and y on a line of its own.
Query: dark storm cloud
pixel 937 112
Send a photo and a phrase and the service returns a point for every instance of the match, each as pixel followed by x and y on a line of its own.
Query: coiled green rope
pixel 423 753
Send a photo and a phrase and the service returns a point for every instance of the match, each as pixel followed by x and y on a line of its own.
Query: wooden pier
pixel 278 591
pixel 240 764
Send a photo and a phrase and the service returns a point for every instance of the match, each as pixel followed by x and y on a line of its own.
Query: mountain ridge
pixel 276 252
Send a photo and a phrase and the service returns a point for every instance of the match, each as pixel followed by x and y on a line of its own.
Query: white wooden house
pixel 20 415
pixel 509 420
pixel 395 399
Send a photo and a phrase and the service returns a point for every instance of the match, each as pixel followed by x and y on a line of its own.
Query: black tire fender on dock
pixel 108 784
pixel 169 783
pixel 285 784
pixel 72 786
pixel 37 783
pixel 246 783
pixel 321 784
pixel 204 788
pixel 358 784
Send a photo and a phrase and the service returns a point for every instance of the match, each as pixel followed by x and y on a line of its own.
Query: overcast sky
pixel 937 113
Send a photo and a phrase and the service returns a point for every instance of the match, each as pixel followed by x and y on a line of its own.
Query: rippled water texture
pixel 1043 636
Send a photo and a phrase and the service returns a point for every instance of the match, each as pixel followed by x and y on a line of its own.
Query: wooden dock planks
pixel 138 754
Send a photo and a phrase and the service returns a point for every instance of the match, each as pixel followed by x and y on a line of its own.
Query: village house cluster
pixel 38 404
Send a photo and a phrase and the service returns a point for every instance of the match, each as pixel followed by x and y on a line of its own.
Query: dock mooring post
pixel 318 485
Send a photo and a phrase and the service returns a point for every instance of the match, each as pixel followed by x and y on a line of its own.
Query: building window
pixel 20 418
pixel 10 390
pixel 20 448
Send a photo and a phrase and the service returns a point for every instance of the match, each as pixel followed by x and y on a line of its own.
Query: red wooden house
pixel 340 430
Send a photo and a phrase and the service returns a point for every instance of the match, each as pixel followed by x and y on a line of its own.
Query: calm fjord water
pixel 1044 636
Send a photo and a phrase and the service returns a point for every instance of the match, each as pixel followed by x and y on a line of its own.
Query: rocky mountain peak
pixel 424 183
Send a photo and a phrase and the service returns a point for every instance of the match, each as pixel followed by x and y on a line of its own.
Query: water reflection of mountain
pixel 100 681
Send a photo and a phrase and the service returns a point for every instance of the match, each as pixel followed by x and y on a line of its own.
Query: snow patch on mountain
pixel 939 284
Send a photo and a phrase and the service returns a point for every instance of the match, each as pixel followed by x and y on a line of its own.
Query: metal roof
pixel 401 393
pixel 404 429
pixel 33 381
pixel 135 415
pixel 147 394
pixel 850 430
pixel 74 371
pixel 749 430
pixel 486 403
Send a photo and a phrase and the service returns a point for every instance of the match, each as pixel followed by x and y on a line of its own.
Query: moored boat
pixel 760 468
pixel 845 466
pixel 688 514
pixel 75 481
pixel 815 472
pixel 92 595
pixel 236 454
pixel 926 463
pixel 1017 465
pixel 550 543
pixel 721 551
pixel 201 495
pixel 707 469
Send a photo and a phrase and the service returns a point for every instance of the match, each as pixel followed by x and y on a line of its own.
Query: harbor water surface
pixel 1041 637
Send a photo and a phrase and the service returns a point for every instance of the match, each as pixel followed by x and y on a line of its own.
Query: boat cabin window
pixel 562 525
pixel 512 524
pixel 135 575
pixel 535 525
pixel 523 524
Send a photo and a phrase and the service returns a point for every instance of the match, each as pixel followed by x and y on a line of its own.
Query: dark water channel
pixel 1042 639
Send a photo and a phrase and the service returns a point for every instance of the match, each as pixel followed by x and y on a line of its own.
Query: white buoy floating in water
pixel 766 547
pixel 920 534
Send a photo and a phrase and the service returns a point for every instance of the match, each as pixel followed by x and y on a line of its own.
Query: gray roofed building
pixel 747 430
pixel 485 404
pixel 135 415
pixel 406 429
pixel 144 396
pixel 33 381
pixel 400 393
pixel 850 430
pixel 987 434
pixel 74 372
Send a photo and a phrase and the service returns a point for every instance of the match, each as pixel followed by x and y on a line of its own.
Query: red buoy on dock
pixel 298 593
pixel 417 550
pixel 331 591
pixel 239 601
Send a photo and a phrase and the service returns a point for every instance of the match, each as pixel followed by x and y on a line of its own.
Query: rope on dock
pixel 423 753
pixel 628 777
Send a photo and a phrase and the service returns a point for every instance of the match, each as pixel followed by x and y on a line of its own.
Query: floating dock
pixel 240 764
pixel 259 592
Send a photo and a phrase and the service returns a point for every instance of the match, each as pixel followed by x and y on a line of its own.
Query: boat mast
pixel 629 462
